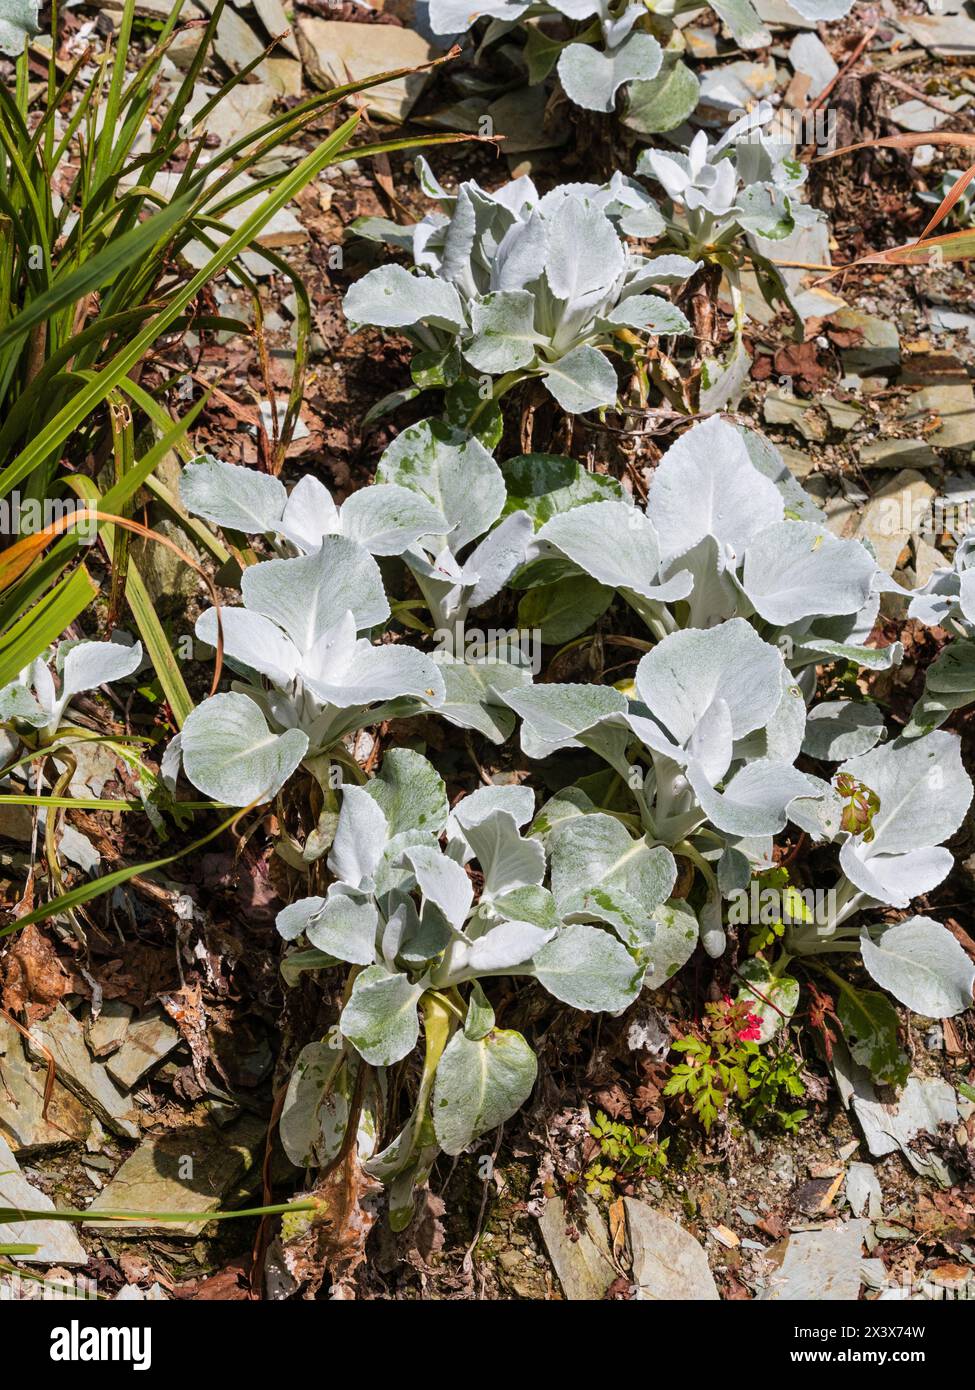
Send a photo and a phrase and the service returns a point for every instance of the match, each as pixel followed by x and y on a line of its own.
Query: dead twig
pixel 850 63
pixel 907 90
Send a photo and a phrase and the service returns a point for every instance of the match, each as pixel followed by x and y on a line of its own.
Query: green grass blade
pixel 52 436
pixel 92 274
pixel 154 638
pixel 113 103
pixel 10 1215
pixel 94 803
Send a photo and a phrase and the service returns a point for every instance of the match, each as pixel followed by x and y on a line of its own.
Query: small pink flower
pixel 753 1031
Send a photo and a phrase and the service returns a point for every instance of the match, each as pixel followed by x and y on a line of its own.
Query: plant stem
pixel 501 386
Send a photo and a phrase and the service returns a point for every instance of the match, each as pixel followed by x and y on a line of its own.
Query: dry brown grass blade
pixel 953 246
pixel 902 142
pixel 18 558
pixel 926 250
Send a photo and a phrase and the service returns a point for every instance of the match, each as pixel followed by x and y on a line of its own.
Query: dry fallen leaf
pixel 332 1240
pixel 34 980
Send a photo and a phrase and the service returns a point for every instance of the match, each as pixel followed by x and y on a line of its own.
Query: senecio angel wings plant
pixel 590 75
pixel 437 505
pixel 726 533
pixel 35 712
pixel 403 913
pixel 610 47
pixel 308 675
pixel 746 592
pixel 745 183
pixel 947 600
pixel 35 708
pixel 609 887
pixel 513 285
pixel 728 201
